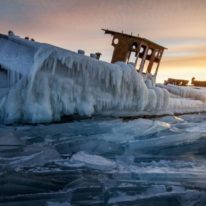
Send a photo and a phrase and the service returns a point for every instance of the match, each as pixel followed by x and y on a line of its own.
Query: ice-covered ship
pixel 43 83
pixel 142 53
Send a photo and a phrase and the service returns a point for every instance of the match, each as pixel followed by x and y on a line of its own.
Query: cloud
pixel 195 62
pixel 74 24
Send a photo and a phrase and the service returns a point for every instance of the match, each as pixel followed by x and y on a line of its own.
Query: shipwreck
pixel 198 83
pixel 43 83
pixel 144 54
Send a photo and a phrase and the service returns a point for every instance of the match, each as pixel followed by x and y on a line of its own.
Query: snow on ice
pixel 44 83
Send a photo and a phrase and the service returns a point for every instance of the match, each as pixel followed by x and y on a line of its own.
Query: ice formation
pixel 93 161
pixel 105 162
pixel 42 83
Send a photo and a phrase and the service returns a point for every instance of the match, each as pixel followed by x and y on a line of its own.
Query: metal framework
pixel 142 52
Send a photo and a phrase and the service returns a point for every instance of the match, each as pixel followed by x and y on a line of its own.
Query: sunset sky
pixel 179 25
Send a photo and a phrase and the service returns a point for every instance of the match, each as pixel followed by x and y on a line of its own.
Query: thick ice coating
pixel 42 83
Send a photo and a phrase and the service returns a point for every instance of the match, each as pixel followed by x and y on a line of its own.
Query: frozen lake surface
pixel 105 162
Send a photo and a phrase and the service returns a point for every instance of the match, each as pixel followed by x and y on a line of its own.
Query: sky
pixel 179 25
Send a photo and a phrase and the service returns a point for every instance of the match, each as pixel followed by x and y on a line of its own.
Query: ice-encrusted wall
pixel 56 82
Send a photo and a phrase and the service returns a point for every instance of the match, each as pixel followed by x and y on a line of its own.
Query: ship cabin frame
pixel 144 54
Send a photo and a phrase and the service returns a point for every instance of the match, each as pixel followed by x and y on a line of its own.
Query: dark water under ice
pixel 105 162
